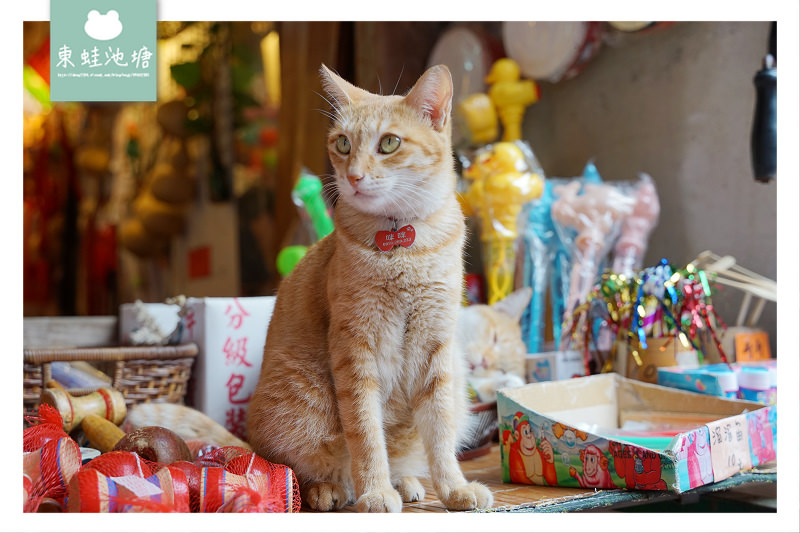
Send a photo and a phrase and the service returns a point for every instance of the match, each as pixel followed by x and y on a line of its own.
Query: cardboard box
pixel 725 380
pixel 554 366
pixel 607 431
pixel 714 380
pixel 230 334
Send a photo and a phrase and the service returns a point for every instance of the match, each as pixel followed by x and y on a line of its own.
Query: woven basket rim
pixel 110 353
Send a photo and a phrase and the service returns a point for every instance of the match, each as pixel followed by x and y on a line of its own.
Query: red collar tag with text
pixel 386 240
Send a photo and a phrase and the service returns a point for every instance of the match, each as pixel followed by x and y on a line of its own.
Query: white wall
pixel 677 104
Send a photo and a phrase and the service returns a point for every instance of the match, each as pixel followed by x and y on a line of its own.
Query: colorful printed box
pixel 607 431
pixel 755 381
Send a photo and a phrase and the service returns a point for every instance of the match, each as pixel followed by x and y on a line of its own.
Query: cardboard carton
pixel 607 431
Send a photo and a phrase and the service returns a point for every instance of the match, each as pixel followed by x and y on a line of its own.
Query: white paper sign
pixel 730 446
pixel 230 334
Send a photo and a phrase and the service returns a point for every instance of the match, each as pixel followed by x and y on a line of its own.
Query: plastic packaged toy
pixel 499 179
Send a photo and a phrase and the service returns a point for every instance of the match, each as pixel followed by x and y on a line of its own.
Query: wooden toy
pixel 105 402
pixel 102 434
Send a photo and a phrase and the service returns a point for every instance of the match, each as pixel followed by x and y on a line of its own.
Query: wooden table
pixel 486 469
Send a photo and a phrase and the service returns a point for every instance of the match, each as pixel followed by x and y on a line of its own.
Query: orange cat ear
pixel 340 90
pixel 433 95
pixel 515 303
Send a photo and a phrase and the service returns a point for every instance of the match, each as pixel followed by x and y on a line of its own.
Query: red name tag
pixel 386 240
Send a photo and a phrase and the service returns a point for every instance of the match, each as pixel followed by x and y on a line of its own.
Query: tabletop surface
pixel 513 497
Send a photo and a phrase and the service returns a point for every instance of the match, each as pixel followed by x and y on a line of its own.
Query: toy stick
pixel 594 215
pixel 501 185
pixel 102 433
pixel 636 228
pixel 105 402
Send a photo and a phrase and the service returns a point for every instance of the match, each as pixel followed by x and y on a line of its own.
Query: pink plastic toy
pixel 595 215
pixel 636 228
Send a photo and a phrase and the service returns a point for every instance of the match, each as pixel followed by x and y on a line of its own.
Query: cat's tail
pixel 188 423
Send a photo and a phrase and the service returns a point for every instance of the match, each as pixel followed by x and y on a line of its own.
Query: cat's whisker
pixel 337 107
pixel 404 204
pixel 327 114
pixel 406 190
pixel 402 68
pixel 406 196
pixel 330 192
pixel 324 98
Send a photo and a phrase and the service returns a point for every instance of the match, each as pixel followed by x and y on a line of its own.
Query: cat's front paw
pixel 509 381
pixel 380 501
pixel 468 497
pixel 410 489
pixel 325 496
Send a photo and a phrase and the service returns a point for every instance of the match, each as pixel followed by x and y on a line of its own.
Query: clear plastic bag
pixel 499 179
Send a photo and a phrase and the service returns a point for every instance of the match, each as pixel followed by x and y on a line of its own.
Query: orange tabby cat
pixel 490 338
pixel 360 388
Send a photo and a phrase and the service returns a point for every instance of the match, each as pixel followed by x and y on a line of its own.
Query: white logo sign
pixel 102 27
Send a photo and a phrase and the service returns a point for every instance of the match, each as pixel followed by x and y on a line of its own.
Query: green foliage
pixel 187 75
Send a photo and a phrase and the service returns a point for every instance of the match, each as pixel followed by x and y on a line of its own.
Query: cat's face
pixel 491 338
pixel 392 154
pixel 495 343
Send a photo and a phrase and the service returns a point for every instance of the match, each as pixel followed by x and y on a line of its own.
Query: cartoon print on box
pixel 640 468
pixel 543 372
pixel 568 435
pixel 760 426
pixel 528 462
pixel 694 454
pixel 535 450
pixel 595 472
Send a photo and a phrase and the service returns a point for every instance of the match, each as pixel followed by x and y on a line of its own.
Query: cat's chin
pixel 375 206
pixel 368 205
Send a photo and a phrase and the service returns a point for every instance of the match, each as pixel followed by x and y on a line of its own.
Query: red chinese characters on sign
pixel 235 422
pixel 234 384
pixel 190 323
pixel 236 313
pixel 236 352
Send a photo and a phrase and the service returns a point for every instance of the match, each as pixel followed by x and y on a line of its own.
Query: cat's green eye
pixel 389 143
pixel 343 144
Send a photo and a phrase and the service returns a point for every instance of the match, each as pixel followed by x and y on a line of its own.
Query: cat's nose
pixel 354 179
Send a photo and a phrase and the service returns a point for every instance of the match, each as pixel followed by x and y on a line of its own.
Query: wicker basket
pixel 140 373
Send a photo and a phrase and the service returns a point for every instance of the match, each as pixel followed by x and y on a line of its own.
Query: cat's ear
pixel 340 91
pixel 433 95
pixel 515 303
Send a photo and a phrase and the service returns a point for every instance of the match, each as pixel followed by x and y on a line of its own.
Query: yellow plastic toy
pixel 480 118
pixel 500 185
pixel 510 95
